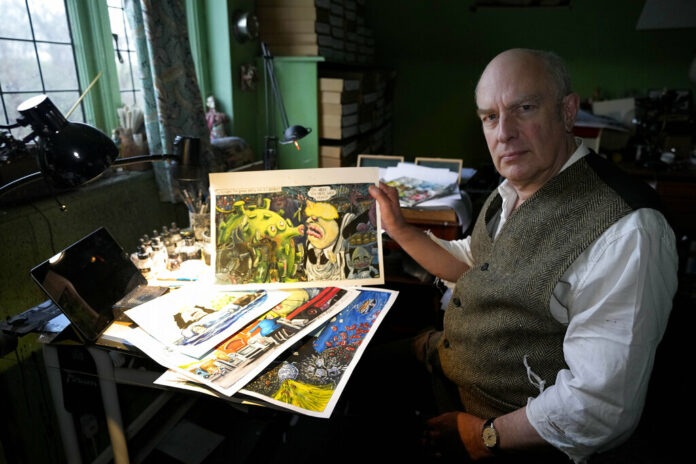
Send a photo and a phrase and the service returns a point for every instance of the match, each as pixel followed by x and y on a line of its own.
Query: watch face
pixel 490 437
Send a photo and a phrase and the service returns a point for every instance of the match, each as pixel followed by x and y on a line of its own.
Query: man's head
pixel 527 111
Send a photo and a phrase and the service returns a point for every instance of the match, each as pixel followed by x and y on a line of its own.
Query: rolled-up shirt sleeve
pixel 620 297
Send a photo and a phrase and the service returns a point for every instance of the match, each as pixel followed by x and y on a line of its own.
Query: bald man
pixel 563 290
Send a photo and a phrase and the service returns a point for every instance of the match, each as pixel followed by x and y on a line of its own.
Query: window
pixel 126 59
pixel 58 48
pixel 38 58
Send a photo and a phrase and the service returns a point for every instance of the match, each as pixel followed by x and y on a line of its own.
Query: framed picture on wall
pixel 378 161
pixel 452 164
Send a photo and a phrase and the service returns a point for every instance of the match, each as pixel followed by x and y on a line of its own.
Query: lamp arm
pixel 20 181
pixel 118 162
pixel 143 159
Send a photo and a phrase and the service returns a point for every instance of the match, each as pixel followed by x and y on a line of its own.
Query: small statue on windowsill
pixel 215 119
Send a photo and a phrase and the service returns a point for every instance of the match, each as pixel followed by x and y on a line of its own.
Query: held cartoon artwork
pixel 335 238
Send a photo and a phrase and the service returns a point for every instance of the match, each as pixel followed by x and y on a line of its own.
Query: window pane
pixel 49 20
pixel 116 3
pixel 23 73
pixel 124 72
pixel 64 101
pixel 139 100
pixel 15 20
pixel 58 66
pixel 116 19
pixel 127 98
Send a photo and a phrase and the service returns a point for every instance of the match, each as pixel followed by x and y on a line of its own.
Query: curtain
pixel 173 103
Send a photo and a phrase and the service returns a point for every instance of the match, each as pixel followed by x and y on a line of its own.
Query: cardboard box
pixel 330 120
pixel 337 133
pixel 339 97
pixel 326 162
pixel 299 13
pixel 274 26
pixel 334 84
pixel 338 108
pixel 282 39
pixel 295 50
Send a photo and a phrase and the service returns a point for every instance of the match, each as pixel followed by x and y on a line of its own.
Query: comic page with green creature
pixel 296 228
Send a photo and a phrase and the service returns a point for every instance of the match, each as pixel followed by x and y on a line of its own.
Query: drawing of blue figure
pixel 214 323
pixel 267 326
pixel 350 326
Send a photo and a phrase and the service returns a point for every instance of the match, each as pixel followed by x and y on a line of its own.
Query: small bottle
pixel 175 234
pixel 189 249
pixel 143 262
pixel 159 256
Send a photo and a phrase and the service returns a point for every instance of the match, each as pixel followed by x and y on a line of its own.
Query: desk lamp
pixel 291 134
pixel 71 153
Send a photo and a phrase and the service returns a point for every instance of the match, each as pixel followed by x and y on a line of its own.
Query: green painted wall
pixel 439 48
pixel 222 70
pixel 297 80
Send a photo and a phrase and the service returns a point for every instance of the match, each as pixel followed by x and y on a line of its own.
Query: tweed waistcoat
pixel 499 318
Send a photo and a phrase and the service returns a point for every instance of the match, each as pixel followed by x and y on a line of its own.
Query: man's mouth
pixel 313 230
pixel 512 155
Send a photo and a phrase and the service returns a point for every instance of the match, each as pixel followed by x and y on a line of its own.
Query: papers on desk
pixel 194 320
pixel 333 324
pixel 443 196
pixel 417 184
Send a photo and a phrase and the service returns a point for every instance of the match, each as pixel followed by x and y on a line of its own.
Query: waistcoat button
pixel 484 267
pixel 457 302
pixel 445 343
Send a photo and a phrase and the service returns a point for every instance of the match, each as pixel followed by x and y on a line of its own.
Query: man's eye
pixel 489 118
pixel 526 107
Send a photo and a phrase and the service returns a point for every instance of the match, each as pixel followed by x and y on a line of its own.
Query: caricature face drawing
pixel 322 228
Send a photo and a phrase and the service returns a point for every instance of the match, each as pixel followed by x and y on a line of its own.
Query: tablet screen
pixel 86 279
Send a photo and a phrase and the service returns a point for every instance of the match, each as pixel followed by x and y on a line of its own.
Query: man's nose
pixel 507 128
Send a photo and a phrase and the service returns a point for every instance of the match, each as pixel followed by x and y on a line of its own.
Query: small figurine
pixel 249 77
pixel 215 120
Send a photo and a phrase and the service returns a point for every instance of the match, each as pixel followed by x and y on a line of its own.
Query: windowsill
pixel 38 194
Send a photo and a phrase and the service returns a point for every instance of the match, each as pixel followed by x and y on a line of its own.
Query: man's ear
pixel 571 104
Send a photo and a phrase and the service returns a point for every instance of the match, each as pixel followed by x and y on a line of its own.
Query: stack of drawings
pixel 282 321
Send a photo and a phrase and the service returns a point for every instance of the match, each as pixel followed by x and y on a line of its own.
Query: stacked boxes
pixel 334 29
pixel 355 115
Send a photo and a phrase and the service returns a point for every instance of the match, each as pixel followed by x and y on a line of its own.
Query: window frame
pixel 94 53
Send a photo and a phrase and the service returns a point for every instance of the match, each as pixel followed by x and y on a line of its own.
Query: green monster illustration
pixel 255 245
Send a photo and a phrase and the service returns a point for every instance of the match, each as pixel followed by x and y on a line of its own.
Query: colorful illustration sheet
pixel 241 357
pixel 296 228
pixel 413 191
pixel 194 320
pixel 309 380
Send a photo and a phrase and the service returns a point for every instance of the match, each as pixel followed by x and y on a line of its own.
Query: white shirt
pixel 615 299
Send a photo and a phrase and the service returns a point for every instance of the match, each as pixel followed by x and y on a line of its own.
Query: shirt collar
pixel 509 195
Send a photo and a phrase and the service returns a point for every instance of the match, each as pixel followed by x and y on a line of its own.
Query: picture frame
pixel 378 161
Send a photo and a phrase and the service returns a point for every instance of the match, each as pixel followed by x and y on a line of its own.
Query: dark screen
pixel 86 279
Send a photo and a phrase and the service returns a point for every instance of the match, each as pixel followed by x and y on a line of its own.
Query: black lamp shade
pixel 294 133
pixel 72 153
pixel 75 155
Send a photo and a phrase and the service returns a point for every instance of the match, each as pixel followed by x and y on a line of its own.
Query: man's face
pixel 524 120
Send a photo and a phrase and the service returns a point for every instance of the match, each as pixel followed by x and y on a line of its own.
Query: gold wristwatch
pixel 490 436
